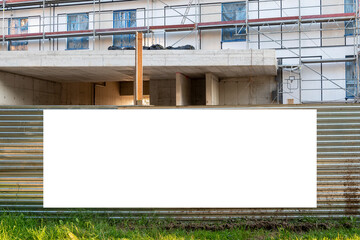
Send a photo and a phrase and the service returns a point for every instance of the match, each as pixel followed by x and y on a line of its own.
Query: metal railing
pixel 329 23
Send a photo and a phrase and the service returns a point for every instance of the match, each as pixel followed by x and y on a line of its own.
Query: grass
pixel 15 226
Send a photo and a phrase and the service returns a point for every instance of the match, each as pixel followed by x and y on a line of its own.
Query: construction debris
pixel 154 47
pixel 186 47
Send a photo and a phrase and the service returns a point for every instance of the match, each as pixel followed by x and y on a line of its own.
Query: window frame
pixel 347 31
pixel 67 28
pixel 353 66
pixel 127 23
pixel 222 30
pixel 9 32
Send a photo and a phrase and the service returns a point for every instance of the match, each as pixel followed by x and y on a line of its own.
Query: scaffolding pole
pixel 147 13
pixel 247 23
pixel 43 26
pixel 356 46
pixel 197 20
pixel 3 25
pixel 94 33
pixel 300 53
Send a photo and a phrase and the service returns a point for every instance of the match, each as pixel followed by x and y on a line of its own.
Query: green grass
pixel 15 226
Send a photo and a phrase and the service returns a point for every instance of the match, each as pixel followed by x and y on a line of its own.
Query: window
pixel 351 83
pixel 229 12
pixel 76 22
pixel 349 7
pixel 18 26
pixel 124 19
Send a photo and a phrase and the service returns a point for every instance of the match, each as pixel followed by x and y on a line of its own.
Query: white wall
pixel 21 90
pixel 247 91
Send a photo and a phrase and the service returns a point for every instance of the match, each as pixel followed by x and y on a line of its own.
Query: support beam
pixel 138 89
pixel 183 90
pixel 212 89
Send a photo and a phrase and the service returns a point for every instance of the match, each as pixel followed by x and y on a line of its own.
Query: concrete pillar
pixel 183 90
pixel 212 89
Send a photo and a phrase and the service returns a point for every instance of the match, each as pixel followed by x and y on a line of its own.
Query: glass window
pixel 350 75
pixel 18 26
pixel 229 12
pixel 76 22
pixel 349 7
pixel 124 19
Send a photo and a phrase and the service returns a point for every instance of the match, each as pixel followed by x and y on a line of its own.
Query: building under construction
pixel 204 52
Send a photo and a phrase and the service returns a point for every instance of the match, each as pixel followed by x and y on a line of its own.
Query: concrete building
pixel 245 52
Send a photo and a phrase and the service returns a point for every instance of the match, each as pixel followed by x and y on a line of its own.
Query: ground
pixel 19 226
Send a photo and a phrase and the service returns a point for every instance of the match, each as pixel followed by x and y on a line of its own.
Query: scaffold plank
pixel 187 27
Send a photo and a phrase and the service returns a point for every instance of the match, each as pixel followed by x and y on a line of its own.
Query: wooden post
pixel 138 86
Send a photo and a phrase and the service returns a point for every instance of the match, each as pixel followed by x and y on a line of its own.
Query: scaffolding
pixel 191 19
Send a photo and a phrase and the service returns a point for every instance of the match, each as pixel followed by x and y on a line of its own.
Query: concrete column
pixel 183 90
pixel 212 89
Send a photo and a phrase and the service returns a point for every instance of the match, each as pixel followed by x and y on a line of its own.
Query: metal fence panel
pixel 21 167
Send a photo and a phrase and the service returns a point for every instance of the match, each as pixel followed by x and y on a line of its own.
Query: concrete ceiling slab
pixel 101 66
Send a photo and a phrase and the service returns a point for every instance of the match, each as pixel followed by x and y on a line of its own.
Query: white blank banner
pixel 179 158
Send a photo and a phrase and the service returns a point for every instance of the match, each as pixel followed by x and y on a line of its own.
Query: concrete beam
pixel 212 89
pixel 183 90
pixel 151 58
pixel 103 66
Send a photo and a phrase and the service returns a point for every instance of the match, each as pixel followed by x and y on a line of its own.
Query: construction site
pixel 273 54
pixel 255 52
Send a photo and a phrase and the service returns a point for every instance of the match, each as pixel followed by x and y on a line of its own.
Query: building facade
pixel 231 52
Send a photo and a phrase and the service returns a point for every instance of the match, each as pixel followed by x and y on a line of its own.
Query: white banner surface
pixel 180 158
